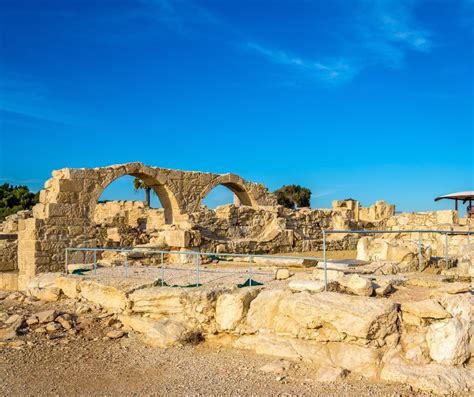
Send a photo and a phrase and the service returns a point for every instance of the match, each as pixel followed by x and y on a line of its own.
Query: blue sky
pixel 352 98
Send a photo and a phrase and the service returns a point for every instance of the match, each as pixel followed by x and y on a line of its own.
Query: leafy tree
pixel 138 184
pixel 15 198
pixel 292 196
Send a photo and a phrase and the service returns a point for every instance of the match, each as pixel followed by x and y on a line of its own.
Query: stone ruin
pixel 393 317
pixel 69 215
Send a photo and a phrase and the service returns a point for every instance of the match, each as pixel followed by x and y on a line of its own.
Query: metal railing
pixel 250 270
pixel 420 234
pixel 197 261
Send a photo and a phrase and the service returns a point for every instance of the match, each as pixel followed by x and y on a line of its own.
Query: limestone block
pixel 232 307
pixel 433 377
pixel 43 280
pixel 264 308
pixel 362 317
pixel 357 285
pixel 109 297
pixel 282 273
pixel 70 185
pixel 49 294
pixel 448 341
pixel 332 275
pixel 446 217
pixel 334 354
pixel 427 308
pixel 113 234
pixel 161 333
pixel 306 285
pixel 165 301
pixel 461 305
pixel 182 238
pixel 69 285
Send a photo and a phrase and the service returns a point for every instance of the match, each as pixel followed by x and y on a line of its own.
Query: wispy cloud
pixel 388 30
pixel 334 71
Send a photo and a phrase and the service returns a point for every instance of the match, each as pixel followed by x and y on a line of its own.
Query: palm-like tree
pixel 138 184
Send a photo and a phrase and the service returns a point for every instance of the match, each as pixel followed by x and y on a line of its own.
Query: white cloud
pixel 333 71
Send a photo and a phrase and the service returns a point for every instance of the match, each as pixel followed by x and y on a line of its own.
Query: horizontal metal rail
pixel 134 250
pixel 400 231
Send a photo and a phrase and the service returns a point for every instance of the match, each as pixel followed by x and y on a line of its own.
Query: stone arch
pixel 234 183
pixel 153 178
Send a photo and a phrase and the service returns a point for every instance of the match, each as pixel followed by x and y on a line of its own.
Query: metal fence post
pixel 66 259
pixel 162 270
pixel 446 250
pixel 126 264
pixel 250 270
pixel 325 262
pixel 95 262
pixel 420 254
pixel 197 270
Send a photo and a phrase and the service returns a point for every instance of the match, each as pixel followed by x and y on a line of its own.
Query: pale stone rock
pixel 383 289
pixel 306 285
pixel 361 317
pixel 49 294
pixel 32 320
pixel 433 377
pixel 69 285
pixel 158 300
pixel 330 374
pixel 161 333
pixel 13 319
pixel 53 327
pixel 115 334
pixel 354 358
pixel 282 273
pixel 461 305
pixel 46 316
pixel 65 322
pixel 109 297
pixel 7 334
pixel 42 280
pixel 232 307
pixel 332 275
pixel 427 308
pixel 357 285
pixel 455 288
pixel 264 308
pixel 448 341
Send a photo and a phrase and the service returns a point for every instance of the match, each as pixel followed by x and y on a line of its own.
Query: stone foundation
pixel 425 342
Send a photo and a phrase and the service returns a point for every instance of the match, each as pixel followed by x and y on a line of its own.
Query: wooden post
pixel 456 205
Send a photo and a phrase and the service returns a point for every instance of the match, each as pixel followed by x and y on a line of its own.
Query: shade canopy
pixel 464 196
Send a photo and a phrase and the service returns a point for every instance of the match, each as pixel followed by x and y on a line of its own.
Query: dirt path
pixel 84 362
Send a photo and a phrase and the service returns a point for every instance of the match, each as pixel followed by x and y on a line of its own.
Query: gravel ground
pixel 85 362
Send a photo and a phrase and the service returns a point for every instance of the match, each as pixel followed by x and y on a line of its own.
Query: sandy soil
pixel 83 362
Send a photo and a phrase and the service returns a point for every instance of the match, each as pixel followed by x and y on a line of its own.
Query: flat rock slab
pixel 362 317
pixel 432 377
pixel 427 308
pixel 306 285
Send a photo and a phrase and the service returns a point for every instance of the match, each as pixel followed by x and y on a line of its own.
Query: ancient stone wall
pixel 64 216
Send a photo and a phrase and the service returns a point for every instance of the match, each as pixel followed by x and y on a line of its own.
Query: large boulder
pixel 448 341
pixel 232 307
pixel 106 296
pixel 158 333
pixel 264 309
pixel 359 359
pixel 361 317
pixel 391 250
